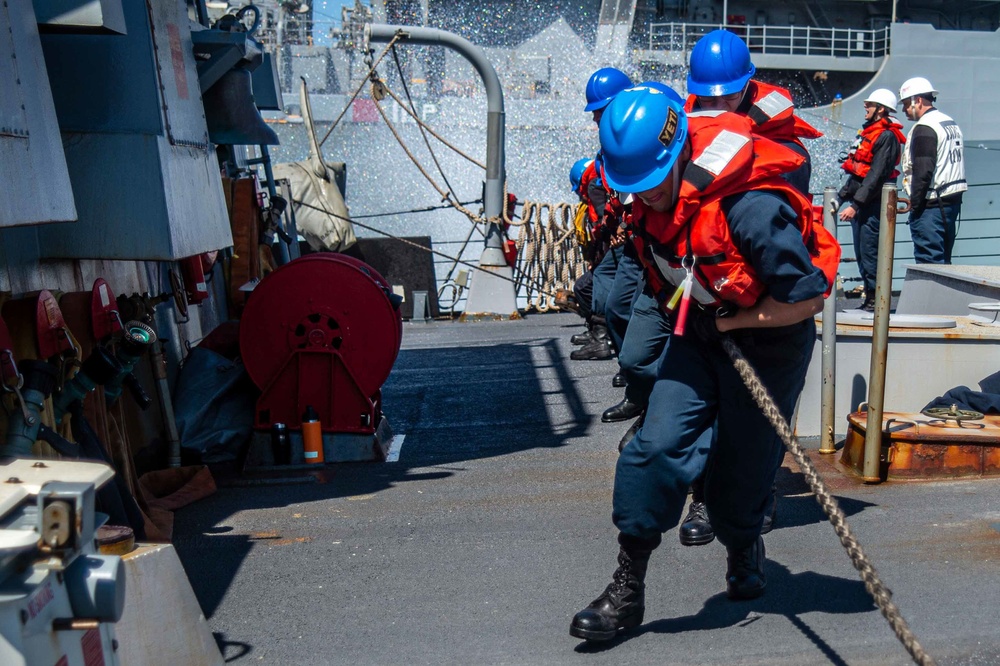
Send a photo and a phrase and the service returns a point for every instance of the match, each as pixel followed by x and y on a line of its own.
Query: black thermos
pixel 280 447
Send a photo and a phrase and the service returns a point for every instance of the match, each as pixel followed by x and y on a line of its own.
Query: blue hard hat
pixel 576 172
pixel 720 65
pixel 643 131
pixel 664 88
pixel 603 85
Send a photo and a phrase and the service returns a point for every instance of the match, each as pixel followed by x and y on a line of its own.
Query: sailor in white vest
pixel 933 165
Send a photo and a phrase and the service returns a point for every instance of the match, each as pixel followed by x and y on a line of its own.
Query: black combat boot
pixel 587 336
pixel 619 380
pixel 598 349
pixel 745 574
pixel 624 601
pixel 869 304
pixel 630 433
pixel 696 530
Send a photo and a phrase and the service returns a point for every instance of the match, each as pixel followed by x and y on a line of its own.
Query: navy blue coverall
pixel 698 387
pixel 638 326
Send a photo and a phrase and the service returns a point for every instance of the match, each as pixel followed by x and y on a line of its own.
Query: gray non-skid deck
pixel 493 529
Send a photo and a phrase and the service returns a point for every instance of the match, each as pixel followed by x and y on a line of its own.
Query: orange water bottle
pixel 312 436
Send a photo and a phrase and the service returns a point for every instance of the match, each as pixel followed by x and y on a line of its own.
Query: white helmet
pixel 918 85
pixel 882 96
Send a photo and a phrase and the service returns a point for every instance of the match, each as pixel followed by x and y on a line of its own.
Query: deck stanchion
pixel 492 290
pixel 829 370
pixel 880 335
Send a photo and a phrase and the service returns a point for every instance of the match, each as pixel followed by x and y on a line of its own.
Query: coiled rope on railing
pixel 549 257
pixel 531 283
pixel 879 592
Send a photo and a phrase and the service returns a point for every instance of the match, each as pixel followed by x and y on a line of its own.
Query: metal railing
pixel 778 39
pixel 977 241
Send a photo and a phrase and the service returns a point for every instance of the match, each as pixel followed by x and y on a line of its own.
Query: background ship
pixel 829 54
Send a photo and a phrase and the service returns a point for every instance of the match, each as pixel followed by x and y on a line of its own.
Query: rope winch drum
pixel 322 330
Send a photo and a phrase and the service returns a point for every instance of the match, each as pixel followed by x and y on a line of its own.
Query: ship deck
pixel 493 528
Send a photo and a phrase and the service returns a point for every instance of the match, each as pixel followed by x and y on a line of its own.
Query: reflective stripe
pixel 716 157
pixel 706 113
pixel 675 276
pixel 773 104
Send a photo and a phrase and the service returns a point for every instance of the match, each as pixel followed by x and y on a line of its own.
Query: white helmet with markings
pixel 918 85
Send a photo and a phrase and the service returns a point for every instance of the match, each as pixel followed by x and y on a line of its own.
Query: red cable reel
pixel 323 330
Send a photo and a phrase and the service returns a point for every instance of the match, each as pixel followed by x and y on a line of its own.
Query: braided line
pixel 361 86
pixel 875 587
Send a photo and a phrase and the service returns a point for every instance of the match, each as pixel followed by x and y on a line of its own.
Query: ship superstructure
pixel 829 54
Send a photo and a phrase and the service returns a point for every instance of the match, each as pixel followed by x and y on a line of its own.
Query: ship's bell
pixel 232 116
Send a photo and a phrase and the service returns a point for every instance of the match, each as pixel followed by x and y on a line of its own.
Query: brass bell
pixel 232 116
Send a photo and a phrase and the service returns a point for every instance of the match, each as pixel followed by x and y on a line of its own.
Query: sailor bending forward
pixel 712 214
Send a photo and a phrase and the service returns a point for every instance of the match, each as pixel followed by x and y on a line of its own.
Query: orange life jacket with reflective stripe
pixel 772 113
pixel 589 174
pixel 859 159
pixel 726 159
pixel 615 210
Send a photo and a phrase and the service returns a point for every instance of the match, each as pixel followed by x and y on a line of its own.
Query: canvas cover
pixel 321 215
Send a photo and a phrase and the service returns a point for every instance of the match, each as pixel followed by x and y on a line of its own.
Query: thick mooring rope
pixel 518 280
pixel 549 257
pixel 879 592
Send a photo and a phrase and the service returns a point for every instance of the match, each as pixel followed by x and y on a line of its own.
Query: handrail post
pixel 492 290
pixel 880 335
pixel 829 362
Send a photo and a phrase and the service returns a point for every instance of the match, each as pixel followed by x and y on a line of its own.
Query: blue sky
pixel 326 13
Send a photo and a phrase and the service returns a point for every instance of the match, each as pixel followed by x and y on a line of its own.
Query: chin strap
pixel 675 176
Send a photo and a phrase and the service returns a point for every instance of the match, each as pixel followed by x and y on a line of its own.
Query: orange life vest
pixel 726 159
pixel 859 159
pixel 589 174
pixel 614 211
pixel 772 113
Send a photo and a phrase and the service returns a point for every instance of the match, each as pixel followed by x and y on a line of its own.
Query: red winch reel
pixel 323 330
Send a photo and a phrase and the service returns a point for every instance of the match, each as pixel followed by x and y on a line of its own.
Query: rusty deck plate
pixel 917 446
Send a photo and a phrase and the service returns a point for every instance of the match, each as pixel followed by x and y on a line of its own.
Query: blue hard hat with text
pixel 643 132
pixel 720 65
